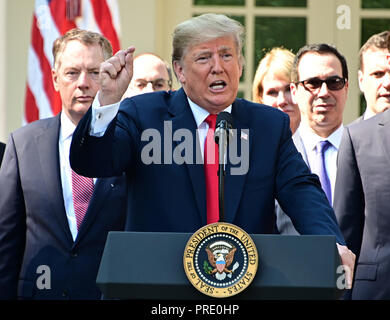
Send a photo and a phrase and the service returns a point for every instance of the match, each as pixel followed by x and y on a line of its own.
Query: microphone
pixel 224 123
pixel 223 133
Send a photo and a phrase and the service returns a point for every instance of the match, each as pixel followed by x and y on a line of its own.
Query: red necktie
pixel 211 171
pixel 82 190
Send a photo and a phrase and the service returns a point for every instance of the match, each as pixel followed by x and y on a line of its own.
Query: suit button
pixel 73 254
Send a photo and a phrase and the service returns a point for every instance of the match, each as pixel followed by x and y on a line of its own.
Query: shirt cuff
pixel 102 116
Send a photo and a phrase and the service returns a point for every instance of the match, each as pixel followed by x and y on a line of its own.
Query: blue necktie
pixel 321 148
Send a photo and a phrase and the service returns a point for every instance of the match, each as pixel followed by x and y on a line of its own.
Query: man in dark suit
pixel 362 202
pixel 158 138
pixel 51 237
pixel 2 149
pixel 362 185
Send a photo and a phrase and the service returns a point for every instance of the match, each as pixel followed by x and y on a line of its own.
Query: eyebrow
pixel 143 79
pixel 220 49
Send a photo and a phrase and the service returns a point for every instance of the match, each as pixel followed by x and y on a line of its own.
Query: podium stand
pixel 149 265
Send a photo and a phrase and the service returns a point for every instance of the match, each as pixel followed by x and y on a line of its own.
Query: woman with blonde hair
pixel 271 85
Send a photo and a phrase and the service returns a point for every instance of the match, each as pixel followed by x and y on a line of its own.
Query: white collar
pixel 67 127
pixel 310 139
pixel 201 114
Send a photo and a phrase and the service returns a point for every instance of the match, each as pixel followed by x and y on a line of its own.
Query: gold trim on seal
pixel 236 285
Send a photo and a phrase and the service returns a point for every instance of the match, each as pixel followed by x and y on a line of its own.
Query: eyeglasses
pixel 158 85
pixel 333 83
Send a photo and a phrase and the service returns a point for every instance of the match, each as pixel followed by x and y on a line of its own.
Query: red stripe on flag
pixel 58 13
pixel 38 46
pixel 104 20
pixel 30 106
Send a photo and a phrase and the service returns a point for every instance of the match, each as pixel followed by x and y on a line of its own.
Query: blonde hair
pixel 278 61
pixel 86 37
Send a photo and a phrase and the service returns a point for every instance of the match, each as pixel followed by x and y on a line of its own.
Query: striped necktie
pixel 82 190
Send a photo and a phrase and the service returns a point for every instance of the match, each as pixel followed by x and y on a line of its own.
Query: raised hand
pixel 115 76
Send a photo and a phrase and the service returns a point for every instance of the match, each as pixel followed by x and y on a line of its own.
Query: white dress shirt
pixel 310 140
pixel 65 138
pixel 102 116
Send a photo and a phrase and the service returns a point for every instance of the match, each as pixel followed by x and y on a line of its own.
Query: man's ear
pixel 179 71
pixel 360 80
pixel 54 76
pixel 293 90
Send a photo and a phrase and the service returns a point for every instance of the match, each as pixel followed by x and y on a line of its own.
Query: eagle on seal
pixel 220 260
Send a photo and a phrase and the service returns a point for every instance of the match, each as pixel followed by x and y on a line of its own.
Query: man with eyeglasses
pixel 319 86
pixel 363 186
pixel 150 73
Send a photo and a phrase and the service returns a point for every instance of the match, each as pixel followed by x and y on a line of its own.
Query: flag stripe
pixel 113 6
pixel 44 24
pixel 104 20
pixel 32 112
pixel 35 84
pixel 88 21
pixel 38 46
pixel 58 12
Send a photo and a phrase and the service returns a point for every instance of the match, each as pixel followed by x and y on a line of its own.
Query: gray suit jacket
pixel 34 229
pixel 362 205
pixel 283 221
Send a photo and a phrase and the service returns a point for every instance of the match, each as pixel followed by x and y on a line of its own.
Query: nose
pixel 148 88
pixel 217 64
pixel 83 80
pixel 386 80
pixel 324 90
pixel 281 100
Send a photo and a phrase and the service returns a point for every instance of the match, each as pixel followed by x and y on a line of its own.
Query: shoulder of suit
pixel 36 126
pixel 152 96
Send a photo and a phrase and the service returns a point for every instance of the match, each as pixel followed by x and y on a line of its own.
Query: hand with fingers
pixel 115 76
pixel 347 258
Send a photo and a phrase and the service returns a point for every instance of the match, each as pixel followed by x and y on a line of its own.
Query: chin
pixel 81 108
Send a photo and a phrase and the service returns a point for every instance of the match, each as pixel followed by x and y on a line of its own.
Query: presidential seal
pixel 220 260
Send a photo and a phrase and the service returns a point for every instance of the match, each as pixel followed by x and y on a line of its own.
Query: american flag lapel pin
pixel 244 135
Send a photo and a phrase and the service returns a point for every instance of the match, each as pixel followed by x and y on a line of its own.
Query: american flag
pixel 51 19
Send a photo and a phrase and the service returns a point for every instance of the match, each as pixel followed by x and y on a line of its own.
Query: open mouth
pixel 385 95
pixel 218 85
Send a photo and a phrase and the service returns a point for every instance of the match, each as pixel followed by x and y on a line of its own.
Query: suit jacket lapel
pixel 300 147
pixel 234 184
pixel 384 132
pixel 183 118
pixel 47 145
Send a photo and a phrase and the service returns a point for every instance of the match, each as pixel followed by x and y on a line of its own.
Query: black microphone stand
pixel 222 134
pixel 222 148
pixel 221 185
